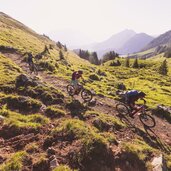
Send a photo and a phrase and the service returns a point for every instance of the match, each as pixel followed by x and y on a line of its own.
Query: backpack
pixel 132 93
pixel 29 58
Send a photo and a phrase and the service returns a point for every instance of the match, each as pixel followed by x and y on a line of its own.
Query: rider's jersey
pixel 132 96
pixel 76 75
pixel 30 59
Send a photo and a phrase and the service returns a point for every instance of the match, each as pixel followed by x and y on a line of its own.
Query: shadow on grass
pixel 148 135
pixel 76 108
pixel 156 139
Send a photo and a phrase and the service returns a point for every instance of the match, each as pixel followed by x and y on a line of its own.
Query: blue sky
pixel 98 19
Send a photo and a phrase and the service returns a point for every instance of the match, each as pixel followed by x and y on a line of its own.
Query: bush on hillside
pixel 101 73
pixel 53 112
pixel 115 63
pixel 94 77
pixel 47 65
pixel 22 103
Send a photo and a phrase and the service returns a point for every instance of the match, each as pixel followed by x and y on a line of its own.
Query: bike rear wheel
pixel 70 90
pixel 122 109
pixel 86 95
pixel 147 120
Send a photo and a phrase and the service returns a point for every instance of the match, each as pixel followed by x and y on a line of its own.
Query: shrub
pixel 22 103
pixel 15 162
pixel 101 73
pixel 31 147
pixel 17 123
pixel 94 77
pixel 168 161
pixel 63 168
pixel 53 112
pixel 47 65
pixel 105 122
pixel 139 148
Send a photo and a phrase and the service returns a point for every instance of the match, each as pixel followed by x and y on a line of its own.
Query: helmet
pixel 80 72
pixel 30 53
pixel 142 94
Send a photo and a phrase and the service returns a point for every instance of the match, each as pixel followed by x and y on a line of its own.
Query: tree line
pixel 163 68
pixel 93 58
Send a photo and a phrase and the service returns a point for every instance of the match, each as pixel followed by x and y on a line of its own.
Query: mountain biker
pixel 131 97
pixel 75 76
pixel 30 59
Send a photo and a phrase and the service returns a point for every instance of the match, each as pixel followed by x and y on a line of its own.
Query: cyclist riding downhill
pixel 32 65
pixel 30 59
pixel 75 76
pixel 131 97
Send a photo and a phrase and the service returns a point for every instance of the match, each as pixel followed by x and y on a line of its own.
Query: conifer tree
pixel 135 64
pixel 94 59
pixel 61 56
pixel 127 62
pixel 65 48
pixel 59 45
pixel 118 63
pixel 163 69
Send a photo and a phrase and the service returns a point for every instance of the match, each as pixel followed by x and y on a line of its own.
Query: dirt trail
pixel 160 135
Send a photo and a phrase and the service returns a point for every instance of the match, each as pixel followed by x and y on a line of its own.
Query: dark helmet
pixel 30 54
pixel 142 94
pixel 80 72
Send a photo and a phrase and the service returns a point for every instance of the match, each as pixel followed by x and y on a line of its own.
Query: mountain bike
pixel 85 94
pixel 146 119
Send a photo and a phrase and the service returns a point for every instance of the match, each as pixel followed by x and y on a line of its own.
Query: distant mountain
pixel 124 42
pixel 135 43
pixel 114 42
pixel 163 39
pixel 111 44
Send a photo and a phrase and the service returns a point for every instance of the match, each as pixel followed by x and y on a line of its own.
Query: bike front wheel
pixel 70 90
pixel 122 109
pixel 86 95
pixel 147 120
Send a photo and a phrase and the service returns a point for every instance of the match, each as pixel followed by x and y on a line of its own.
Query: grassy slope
pixel 18 36
pixel 8 70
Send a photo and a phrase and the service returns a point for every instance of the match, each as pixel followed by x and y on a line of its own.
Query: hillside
pixel 163 39
pixel 45 128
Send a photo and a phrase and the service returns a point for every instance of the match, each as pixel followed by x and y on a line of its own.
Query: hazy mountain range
pixel 124 42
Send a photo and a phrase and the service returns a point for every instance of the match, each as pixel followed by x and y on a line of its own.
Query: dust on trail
pixel 160 134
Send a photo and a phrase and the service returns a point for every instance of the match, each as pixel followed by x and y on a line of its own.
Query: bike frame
pixel 141 108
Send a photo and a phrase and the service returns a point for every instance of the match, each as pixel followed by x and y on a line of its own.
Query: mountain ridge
pixel 163 39
pixel 136 43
